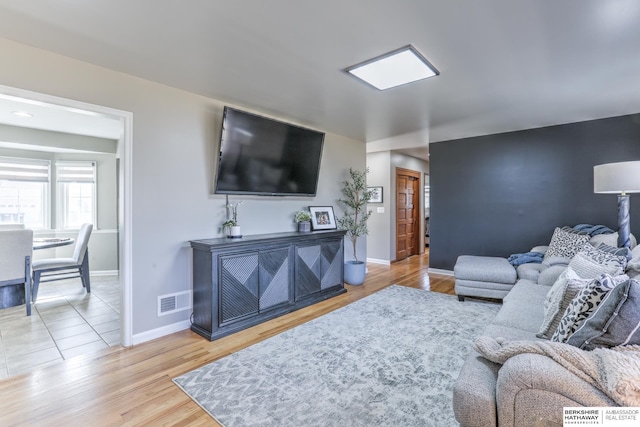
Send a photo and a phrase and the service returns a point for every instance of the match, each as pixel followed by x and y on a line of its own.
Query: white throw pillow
pixel 565 288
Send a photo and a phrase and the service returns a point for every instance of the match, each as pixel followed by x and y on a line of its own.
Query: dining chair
pixel 51 269
pixel 15 261
pixel 12 226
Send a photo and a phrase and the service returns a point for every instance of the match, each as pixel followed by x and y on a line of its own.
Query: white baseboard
pixel 160 332
pixel 105 273
pixel 379 261
pixel 443 272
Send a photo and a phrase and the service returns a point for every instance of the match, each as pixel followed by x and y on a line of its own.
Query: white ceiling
pixel 504 64
pixel 57 118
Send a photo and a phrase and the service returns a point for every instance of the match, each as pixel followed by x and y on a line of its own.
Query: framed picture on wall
pixel 322 218
pixel 377 195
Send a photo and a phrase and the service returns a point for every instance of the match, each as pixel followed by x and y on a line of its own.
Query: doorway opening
pixel 408 188
pixel 63 111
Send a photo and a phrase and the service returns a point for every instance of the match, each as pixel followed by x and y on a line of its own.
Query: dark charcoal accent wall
pixel 501 194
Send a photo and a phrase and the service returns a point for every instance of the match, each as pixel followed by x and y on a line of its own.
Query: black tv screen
pixel 261 156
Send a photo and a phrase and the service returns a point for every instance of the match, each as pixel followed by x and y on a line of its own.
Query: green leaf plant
pixel 355 197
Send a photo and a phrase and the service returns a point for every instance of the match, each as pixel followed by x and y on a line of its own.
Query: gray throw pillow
pixel 615 322
pixel 633 266
pixel 611 239
pixel 591 262
pixel 558 298
pixel 583 304
pixel 565 242
pixel 625 252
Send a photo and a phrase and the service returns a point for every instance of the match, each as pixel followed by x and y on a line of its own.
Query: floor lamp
pixel 619 178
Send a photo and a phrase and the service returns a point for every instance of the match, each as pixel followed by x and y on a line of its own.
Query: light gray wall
pixel 44 138
pixel 382 171
pixel 175 136
pixel 380 223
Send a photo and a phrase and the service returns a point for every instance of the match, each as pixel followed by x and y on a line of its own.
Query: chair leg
pixel 84 273
pixel 27 284
pixel 36 285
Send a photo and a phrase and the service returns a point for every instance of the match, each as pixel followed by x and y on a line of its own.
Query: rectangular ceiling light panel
pixel 392 69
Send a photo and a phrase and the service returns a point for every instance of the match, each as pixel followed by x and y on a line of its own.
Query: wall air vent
pixel 173 303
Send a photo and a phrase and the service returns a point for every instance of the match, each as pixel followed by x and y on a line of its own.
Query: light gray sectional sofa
pixel 529 389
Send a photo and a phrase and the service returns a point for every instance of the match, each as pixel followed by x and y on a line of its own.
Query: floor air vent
pixel 172 303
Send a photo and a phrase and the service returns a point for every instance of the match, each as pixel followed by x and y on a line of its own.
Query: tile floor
pixel 64 322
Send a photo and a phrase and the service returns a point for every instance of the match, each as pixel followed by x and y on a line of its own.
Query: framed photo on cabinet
pixel 322 218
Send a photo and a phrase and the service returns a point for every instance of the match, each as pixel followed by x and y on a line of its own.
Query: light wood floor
pixel 133 387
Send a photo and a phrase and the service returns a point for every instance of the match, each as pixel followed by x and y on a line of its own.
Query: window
pixel 76 197
pixel 24 192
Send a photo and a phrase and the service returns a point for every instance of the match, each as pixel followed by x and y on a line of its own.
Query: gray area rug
pixel 388 359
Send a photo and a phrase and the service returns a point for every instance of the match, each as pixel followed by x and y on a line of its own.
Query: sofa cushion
pixel 549 276
pixel 533 389
pixel 530 271
pixel 484 269
pixel 616 321
pixel 527 291
pixel 583 304
pixel 558 298
pixel 591 262
pixel 565 242
pixel 522 314
pixel 474 288
pixel 474 392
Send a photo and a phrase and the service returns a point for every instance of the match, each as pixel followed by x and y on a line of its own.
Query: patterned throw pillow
pixel 558 298
pixel 624 252
pixel 591 262
pixel 616 321
pixel 583 304
pixel 565 242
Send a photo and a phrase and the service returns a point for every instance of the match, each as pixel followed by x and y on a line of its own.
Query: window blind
pixel 31 170
pixel 76 172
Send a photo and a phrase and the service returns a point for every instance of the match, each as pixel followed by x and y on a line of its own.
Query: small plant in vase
pixel 231 225
pixel 303 218
pixel 355 197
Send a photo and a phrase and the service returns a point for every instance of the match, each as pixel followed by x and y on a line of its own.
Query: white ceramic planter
pixel 234 231
pixel 354 272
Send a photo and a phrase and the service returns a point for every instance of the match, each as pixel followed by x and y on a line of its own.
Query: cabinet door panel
pixel 307 270
pixel 274 277
pixel 238 286
pixel 332 264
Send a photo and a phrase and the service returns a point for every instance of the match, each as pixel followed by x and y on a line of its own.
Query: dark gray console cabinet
pixel 238 283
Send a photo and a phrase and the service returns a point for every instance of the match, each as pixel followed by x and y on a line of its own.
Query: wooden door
pixel 407 211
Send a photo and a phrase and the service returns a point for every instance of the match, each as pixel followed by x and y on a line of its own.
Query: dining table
pixel 12 295
pixel 51 242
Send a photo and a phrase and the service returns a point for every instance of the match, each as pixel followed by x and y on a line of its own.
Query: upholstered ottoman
pixel 483 276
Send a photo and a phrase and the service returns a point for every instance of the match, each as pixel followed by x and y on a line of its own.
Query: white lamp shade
pixel 616 178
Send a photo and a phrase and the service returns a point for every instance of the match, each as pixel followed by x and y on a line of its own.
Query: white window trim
pixel 61 192
pixel 19 176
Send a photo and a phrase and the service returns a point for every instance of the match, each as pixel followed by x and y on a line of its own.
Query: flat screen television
pixel 261 156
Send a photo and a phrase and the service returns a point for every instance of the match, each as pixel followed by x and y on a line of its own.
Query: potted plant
pixel 355 197
pixel 303 218
pixel 231 224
